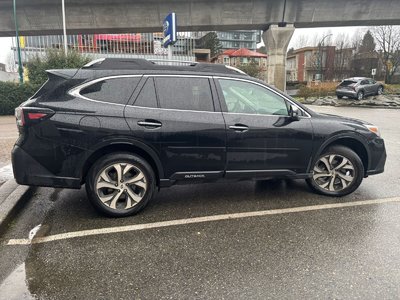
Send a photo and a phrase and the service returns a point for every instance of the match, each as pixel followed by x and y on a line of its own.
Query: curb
pixel 12 197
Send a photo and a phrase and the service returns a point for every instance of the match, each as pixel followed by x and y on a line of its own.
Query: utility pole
pixel 20 69
pixel 320 55
pixel 64 28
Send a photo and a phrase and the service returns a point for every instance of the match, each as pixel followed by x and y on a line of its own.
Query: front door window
pixel 249 98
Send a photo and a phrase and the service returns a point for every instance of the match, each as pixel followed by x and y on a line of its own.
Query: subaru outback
pixel 126 127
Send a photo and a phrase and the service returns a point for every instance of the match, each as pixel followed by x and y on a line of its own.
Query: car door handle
pixel 150 123
pixel 239 127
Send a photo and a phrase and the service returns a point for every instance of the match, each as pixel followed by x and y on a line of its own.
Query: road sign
pixel 373 72
pixel 169 29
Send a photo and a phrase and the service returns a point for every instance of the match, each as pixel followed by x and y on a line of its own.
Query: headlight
pixel 373 129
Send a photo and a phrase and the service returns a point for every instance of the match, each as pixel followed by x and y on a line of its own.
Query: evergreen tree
pixel 368 44
pixel 211 41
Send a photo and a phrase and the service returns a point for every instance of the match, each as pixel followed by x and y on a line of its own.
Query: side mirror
pixel 294 112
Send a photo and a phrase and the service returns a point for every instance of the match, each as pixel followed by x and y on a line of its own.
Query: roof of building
pixel 243 52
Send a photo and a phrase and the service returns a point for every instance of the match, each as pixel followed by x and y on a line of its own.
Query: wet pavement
pixel 328 252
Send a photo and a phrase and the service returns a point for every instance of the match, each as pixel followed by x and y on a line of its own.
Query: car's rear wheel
pixel 380 90
pixel 120 185
pixel 360 95
pixel 337 172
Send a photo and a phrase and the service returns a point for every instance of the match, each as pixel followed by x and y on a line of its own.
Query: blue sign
pixel 169 29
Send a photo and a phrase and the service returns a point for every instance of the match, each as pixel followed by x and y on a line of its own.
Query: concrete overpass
pixel 41 17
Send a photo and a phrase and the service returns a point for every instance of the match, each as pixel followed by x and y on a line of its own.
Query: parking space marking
pixel 136 227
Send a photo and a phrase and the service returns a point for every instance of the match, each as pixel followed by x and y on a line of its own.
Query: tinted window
pixel 348 82
pixel 184 93
pixel 147 96
pixel 364 82
pixel 115 90
pixel 249 98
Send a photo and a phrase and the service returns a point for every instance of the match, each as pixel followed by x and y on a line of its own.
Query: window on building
pixel 194 93
pixel 113 90
pixel 147 96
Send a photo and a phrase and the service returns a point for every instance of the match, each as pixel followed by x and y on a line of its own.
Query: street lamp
pixel 320 54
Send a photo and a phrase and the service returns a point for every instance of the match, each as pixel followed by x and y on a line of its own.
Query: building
pixel 310 63
pixel 239 39
pixel 235 39
pixel 241 56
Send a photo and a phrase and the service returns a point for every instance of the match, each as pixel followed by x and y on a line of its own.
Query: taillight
pixel 36 116
pixel 30 115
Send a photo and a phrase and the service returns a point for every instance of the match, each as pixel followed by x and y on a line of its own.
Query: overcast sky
pixel 312 34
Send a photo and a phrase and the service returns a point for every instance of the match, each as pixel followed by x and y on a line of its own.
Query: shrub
pixel 13 94
pixel 392 89
pixel 54 59
pixel 316 91
pixel 252 69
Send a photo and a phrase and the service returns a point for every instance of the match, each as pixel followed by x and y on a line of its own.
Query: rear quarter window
pixel 111 90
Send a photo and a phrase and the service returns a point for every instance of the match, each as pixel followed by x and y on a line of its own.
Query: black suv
pixel 125 127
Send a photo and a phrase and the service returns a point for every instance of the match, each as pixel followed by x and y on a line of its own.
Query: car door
pixel 366 86
pixel 262 139
pixel 192 137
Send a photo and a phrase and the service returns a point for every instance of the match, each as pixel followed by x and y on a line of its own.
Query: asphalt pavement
pixel 229 240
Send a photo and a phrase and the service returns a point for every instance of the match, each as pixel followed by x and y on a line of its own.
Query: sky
pixel 310 34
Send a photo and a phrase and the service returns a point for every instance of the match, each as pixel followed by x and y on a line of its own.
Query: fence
pixel 128 45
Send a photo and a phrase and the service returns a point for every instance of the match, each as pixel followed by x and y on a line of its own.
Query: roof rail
pixel 94 62
pixel 237 70
pixel 173 60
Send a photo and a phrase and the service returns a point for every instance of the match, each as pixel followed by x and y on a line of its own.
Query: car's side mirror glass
pixel 294 112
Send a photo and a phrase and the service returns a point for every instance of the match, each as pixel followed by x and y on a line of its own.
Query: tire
pixel 120 184
pixel 360 95
pixel 380 90
pixel 342 185
pixel 339 97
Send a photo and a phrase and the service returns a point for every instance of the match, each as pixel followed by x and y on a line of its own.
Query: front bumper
pixel 27 171
pixel 377 157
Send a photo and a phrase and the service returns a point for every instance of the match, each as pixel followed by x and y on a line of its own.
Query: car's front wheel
pixel 121 184
pixel 337 172
pixel 360 95
pixel 380 90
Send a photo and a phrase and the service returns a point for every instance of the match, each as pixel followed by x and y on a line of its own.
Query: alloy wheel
pixel 380 91
pixel 333 172
pixel 360 95
pixel 121 185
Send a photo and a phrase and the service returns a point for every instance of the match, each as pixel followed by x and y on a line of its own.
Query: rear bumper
pixel 27 171
pixel 351 94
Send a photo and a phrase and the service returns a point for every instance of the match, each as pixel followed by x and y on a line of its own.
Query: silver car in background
pixel 358 88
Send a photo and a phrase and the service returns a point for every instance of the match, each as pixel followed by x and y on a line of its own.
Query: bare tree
pixel 388 40
pixel 343 56
pixel 301 41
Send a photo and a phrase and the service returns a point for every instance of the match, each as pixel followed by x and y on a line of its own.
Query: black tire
pixel 339 97
pixel 357 175
pixel 360 95
pixel 380 90
pixel 140 166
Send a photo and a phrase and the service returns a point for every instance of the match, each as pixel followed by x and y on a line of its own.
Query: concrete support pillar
pixel 276 40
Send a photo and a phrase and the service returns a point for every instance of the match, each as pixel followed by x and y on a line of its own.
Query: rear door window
pixel 190 93
pixel 147 96
pixel 113 90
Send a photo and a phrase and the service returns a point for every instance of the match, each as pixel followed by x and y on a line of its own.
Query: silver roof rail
pixel 93 62
pixel 172 60
pixel 237 70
